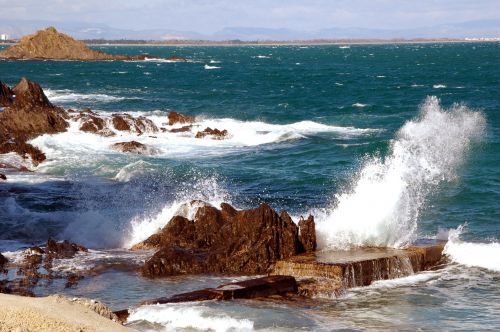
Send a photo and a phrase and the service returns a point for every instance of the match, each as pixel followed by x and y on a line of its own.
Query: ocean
pixel 383 144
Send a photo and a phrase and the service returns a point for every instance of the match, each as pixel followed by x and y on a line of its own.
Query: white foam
pixel 484 255
pixel 207 67
pixel 344 47
pixel 80 148
pixel 65 96
pixel 133 169
pixel 439 86
pixel 175 317
pixel 359 105
pixel 382 206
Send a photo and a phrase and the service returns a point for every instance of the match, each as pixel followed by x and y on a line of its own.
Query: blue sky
pixel 206 17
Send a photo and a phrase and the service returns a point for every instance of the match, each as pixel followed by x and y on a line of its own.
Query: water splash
pixel 388 193
pixel 484 255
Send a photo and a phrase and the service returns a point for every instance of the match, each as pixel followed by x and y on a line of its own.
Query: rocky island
pixel 49 44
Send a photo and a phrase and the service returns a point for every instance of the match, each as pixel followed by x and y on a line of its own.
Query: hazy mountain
pixel 80 30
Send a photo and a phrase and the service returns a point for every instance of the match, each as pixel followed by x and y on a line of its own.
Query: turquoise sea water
pixel 349 134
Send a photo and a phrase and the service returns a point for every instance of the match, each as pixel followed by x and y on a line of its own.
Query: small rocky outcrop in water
pixel 134 147
pixel 27 114
pixel 3 177
pixel 51 44
pixel 214 133
pixel 174 117
pixel 92 123
pixel 223 241
pixel 126 122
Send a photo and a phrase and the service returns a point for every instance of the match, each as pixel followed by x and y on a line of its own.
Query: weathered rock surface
pixel 51 44
pixel 329 273
pixel 214 133
pixel 29 115
pixel 134 147
pixel 64 249
pixel 222 241
pixel 175 58
pixel 181 129
pixel 174 117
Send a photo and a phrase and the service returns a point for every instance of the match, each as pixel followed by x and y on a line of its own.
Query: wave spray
pixel 387 194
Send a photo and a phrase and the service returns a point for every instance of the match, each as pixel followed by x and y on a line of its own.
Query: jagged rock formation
pixel 51 44
pixel 223 241
pixel 27 114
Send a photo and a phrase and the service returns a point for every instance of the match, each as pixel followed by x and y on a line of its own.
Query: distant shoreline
pixel 339 42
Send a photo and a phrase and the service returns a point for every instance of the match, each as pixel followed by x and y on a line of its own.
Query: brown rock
pixel 247 289
pixel 3 177
pixel 174 117
pixel 6 95
pixel 176 58
pixel 215 133
pixel 93 123
pixel 181 129
pixel 223 241
pixel 30 115
pixel 307 231
pixel 51 44
pixel 126 122
pixel 63 249
pixel 134 147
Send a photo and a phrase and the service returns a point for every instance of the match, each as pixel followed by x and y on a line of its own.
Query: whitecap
pixel 207 67
pixel 439 86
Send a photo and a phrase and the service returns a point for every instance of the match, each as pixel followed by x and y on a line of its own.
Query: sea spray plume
pixel 388 193
pixel 484 255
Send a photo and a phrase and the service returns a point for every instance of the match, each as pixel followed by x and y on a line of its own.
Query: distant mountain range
pixel 79 30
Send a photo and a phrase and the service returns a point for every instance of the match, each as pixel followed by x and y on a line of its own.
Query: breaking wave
pixel 187 317
pixel 382 207
pixel 67 96
pixel 484 255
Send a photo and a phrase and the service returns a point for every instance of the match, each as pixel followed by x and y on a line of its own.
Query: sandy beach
pixel 52 313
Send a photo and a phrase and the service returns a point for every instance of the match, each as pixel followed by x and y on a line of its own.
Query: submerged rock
pixel 222 241
pixel 176 58
pixel 215 133
pixel 51 44
pixel 174 117
pixel 134 147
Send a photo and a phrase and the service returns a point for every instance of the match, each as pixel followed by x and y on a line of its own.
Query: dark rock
pixel 215 133
pixel 63 249
pixel 92 123
pixel 72 280
pixel 181 129
pixel 3 177
pixel 134 147
pixel 176 58
pixel 222 241
pixel 174 117
pixel 248 289
pixel 307 231
pixel 6 95
pixel 3 261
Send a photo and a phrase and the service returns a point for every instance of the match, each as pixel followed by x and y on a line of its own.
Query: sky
pixel 209 16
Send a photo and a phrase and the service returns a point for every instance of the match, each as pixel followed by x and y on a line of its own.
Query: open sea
pixel 383 144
